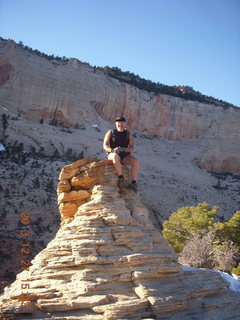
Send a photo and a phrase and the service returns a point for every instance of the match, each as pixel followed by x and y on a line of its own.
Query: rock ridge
pixel 108 261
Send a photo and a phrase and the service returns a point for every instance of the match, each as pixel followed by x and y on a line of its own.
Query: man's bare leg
pixel 116 162
pixel 133 162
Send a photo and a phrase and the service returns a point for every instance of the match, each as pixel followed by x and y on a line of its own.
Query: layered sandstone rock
pixel 108 261
pixel 72 92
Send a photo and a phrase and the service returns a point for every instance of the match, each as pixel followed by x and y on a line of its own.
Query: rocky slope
pixel 108 261
pixel 36 91
pixel 72 92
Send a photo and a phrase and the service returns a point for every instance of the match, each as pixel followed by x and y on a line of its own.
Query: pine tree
pixel 230 230
pixel 186 222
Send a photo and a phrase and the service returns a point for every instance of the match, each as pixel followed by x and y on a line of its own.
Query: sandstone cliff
pixel 34 88
pixel 108 261
pixel 72 92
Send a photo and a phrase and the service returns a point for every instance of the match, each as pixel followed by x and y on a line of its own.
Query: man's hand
pixel 115 150
pixel 118 150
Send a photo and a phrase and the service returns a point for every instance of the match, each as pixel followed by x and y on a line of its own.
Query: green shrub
pixel 188 221
pixel 190 229
pixel 230 229
pixel 236 270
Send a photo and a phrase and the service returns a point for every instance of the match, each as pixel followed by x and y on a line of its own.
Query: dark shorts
pixel 122 155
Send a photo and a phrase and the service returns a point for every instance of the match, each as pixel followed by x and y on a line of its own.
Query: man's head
pixel 120 123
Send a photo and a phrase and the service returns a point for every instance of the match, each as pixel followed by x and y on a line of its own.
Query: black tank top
pixel 120 139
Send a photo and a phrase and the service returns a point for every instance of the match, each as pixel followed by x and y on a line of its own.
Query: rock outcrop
pixel 72 92
pixel 108 261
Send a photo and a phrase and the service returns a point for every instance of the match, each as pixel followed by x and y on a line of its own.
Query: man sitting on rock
pixel 119 144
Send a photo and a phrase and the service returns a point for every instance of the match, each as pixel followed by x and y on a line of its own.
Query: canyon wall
pixel 72 92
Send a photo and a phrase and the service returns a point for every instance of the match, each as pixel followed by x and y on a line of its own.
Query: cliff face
pixel 72 92
pixel 108 261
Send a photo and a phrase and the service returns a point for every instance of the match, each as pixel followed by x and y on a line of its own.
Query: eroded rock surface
pixel 108 261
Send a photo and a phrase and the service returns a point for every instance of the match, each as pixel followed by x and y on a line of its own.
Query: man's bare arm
pixel 130 147
pixel 106 142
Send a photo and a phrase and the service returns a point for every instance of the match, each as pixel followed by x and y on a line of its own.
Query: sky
pixel 194 43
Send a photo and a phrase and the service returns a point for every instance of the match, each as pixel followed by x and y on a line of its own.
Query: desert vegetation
pixel 181 91
pixel 203 242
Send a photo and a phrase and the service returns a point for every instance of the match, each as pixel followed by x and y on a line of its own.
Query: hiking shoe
pixel 121 182
pixel 133 186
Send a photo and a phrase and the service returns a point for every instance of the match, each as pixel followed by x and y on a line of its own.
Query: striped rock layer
pixel 108 261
